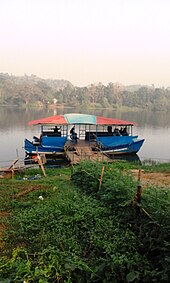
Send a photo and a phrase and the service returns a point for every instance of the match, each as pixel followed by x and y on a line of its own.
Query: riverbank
pixel 82 223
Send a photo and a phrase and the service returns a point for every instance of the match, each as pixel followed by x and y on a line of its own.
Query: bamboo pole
pixel 139 175
pixel 101 177
pixel 18 158
pixel 13 167
pixel 41 164
pixel 138 196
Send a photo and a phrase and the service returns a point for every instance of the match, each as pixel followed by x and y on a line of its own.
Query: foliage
pixel 86 228
pixel 31 90
pixel 28 90
pixel 113 190
pixel 151 224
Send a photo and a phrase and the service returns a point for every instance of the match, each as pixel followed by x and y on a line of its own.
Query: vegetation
pixel 28 90
pixel 84 224
pixel 31 90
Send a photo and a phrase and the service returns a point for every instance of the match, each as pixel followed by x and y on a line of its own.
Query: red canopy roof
pixel 69 119
pixel 110 121
pixel 56 120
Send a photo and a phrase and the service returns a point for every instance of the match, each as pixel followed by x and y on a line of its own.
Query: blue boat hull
pixel 49 146
pixel 120 145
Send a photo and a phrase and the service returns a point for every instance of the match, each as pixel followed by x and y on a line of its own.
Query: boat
pixel 120 145
pixel 107 135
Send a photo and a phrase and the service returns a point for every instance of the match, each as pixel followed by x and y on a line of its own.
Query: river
pixel 154 127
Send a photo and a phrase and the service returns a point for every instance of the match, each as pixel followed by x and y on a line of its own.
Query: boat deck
pixel 82 150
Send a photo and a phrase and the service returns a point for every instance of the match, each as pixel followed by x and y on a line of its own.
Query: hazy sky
pixel 87 41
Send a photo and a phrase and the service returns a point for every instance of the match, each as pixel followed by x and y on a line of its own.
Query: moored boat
pixel 120 145
pixel 108 135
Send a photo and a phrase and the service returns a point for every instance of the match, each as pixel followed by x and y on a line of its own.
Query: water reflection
pixel 15 117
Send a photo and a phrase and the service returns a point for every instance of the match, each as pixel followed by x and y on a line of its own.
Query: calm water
pixel 153 126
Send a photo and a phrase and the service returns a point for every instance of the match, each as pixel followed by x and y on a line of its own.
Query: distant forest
pixel 31 91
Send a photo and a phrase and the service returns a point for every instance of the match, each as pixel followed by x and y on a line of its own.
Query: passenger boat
pixel 107 135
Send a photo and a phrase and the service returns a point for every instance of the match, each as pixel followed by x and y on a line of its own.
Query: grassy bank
pixel 84 224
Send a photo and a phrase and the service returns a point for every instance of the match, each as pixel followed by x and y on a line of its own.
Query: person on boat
pixel 73 134
pixel 109 129
pixel 40 140
pixel 57 130
pixel 124 132
pixel 121 131
pixel 116 132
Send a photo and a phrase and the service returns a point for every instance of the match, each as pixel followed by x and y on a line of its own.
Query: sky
pixel 87 41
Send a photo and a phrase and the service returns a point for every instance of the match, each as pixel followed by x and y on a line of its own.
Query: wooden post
pixel 101 177
pixel 13 167
pixel 18 158
pixel 41 164
pixel 138 194
pixel 40 161
pixel 139 175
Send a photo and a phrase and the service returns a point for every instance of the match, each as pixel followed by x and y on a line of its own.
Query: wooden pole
pixel 138 196
pixel 18 158
pixel 101 177
pixel 41 164
pixel 13 167
pixel 139 175
pixel 13 163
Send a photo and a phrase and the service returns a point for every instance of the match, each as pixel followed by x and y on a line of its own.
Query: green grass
pixel 157 167
pixel 84 230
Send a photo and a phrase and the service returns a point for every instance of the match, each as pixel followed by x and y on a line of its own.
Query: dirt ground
pixel 157 179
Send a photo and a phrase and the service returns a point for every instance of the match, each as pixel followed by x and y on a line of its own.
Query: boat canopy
pixel 77 119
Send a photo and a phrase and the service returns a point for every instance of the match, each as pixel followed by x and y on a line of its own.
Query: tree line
pixel 31 90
